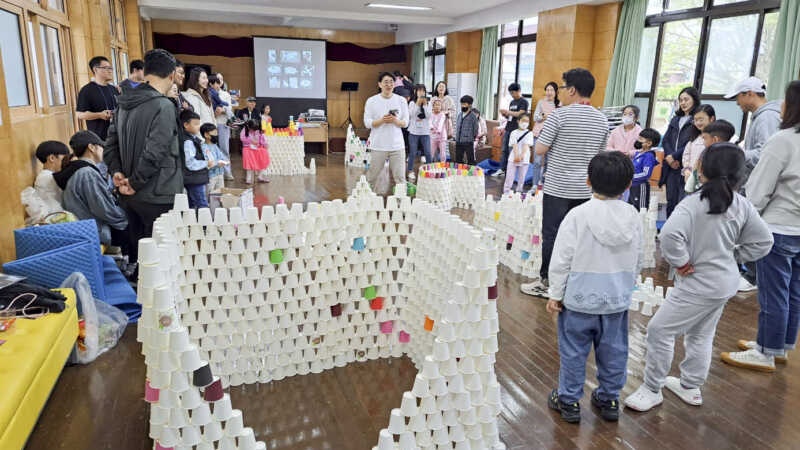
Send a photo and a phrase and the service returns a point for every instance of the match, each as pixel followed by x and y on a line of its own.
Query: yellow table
pixel 30 364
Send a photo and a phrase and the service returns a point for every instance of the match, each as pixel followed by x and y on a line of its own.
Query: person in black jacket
pixel 142 151
pixel 674 142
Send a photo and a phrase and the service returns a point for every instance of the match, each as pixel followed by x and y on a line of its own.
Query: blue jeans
pixel 506 150
pixel 779 296
pixel 414 142
pixel 576 334
pixel 197 195
pixel 537 168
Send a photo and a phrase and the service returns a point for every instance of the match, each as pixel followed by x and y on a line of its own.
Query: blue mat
pixel 119 292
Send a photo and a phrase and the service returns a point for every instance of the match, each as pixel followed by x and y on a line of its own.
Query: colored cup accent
pixel 281 200
pixel 387 327
pixel 535 239
pixel 276 256
pixel 428 324
pixel 161 447
pixel 509 245
pixel 336 310
pixel 496 216
pixel 376 303
pixel 202 377
pixel 369 292
pixel 358 244
pixel 403 337
pixel 213 391
pixel 493 292
pixel 150 393
pixel 525 255
pixel 510 239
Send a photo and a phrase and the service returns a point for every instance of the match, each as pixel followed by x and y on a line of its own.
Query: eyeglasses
pixel 105 67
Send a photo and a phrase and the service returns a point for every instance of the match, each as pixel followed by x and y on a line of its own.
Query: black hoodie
pixel 143 144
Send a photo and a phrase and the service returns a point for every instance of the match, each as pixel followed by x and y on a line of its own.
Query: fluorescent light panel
pixel 387 6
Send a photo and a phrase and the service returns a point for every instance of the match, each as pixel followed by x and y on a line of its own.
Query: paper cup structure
pixel 287 156
pixel 449 184
pixel 230 312
pixel 356 153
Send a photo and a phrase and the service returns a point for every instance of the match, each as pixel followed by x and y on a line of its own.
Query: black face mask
pixel 214 139
pixel 465 108
pixel 637 145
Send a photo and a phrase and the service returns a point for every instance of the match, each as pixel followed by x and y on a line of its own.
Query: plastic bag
pixel 102 324
pixel 34 205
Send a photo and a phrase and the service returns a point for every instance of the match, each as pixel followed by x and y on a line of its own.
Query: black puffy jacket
pixel 143 144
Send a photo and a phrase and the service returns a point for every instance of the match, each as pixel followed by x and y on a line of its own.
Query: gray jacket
pixel 88 197
pixel 467 127
pixel 774 187
pixel 714 244
pixel 766 122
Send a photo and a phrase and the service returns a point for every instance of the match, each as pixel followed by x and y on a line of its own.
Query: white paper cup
pixel 181 202
pixel 234 425
pixel 190 435
pixel 148 251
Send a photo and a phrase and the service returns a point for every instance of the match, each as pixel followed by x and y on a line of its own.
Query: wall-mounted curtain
pixel 487 75
pixel 418 61
pixel 786 51
pixel 625 64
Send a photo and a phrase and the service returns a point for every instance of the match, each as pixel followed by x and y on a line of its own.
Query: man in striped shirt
pixel 572 135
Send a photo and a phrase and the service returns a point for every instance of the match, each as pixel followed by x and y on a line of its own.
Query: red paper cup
pixel 213 391
pixel 376 303
pixel 493 292
pixel 336 310
pixel 404 337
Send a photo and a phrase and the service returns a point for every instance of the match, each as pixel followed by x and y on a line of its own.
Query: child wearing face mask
pixel 521 142
pixel 644 161
pixel 217 159
pixel 440 126
pixel 623 137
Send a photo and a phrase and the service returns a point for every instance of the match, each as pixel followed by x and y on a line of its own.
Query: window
pixel 124 66
pixel 517 46
pixel 35 63
pixel 711 45
pixel 52 65
pixel 13 59
pixel 58 5
pixel 114 64
pixel 434 64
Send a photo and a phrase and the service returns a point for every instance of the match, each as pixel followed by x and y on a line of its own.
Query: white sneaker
pixel 745 286
pixel 412 176
pixel 747 345
pixel 499 173
pixel 750 359
pixel 537 288
pixel 644 399
pixel 690 396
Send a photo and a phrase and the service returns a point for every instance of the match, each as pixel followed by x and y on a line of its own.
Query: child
pixel 480 139
pixel 704 116
pixel 467 127
pixel 51 154
pixel 704 238
pixel 644 161
pixel 195 172
pixel 717 131
pixel 86 192
pixel 419 128
pixel 521 142
pixel 255 156
pixel 439 132
pixel 214 86
pixel 214 155
pixel 596 259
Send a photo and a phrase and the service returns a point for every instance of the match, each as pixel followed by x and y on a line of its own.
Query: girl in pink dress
pixel 439 131
pixel 255 154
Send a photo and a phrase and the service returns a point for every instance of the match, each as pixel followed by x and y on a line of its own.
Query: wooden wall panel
pixel 463 53
pixel 239 73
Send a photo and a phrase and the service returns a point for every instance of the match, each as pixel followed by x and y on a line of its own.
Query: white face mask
pixel 627 120
pixel 523 125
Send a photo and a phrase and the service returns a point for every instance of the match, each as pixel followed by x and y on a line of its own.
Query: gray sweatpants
pixel 397 167
pixel 696 319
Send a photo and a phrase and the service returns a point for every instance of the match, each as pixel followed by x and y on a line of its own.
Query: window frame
pixel 24 111
pixel 708 12
pixel 432 54
pixel 63 55
pixel 519 39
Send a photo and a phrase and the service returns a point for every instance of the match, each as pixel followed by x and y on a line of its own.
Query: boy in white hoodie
pixel 596 259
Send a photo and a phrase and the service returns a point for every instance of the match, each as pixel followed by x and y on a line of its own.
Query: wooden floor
pixel 100 406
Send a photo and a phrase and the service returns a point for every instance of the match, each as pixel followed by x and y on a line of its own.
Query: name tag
pixel 254 146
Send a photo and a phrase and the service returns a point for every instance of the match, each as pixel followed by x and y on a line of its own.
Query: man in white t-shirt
pixel 572 135
pixel 386 114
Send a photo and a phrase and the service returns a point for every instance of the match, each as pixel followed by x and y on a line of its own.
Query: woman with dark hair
pixel 544 107
pixel 197 95
pixel 448 105
pixel 674 143
pixel 704 116
pixel 774 189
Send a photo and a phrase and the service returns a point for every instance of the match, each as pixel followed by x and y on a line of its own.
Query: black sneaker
pixel 570 412
pixel 609 409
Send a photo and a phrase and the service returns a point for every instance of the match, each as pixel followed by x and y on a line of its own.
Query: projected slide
pixel 289 68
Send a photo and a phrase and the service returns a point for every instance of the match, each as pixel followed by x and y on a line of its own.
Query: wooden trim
pixel 5 111
pixel 37 36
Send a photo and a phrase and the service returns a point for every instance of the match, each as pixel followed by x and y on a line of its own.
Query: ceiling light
pixel 410 8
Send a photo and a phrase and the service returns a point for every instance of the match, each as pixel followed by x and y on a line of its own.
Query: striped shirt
pixel 575 134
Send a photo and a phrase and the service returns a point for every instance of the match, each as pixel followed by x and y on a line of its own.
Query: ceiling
pixel 410 26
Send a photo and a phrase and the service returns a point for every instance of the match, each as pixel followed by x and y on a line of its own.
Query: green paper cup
pixel 276 256
pixel 369 293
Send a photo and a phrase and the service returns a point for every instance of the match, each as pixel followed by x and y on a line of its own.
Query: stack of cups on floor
pixel 649 232
pixel 239 296
pixel 356 153
pixel 287 156
pixel 518 221
pixel 449 185
pixel 647 297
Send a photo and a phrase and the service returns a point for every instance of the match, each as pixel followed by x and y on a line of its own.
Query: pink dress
pixel 255 155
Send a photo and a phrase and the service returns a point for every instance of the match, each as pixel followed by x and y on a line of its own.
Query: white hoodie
pixel 596 257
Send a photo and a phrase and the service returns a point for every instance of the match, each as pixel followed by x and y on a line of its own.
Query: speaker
pixel 349 86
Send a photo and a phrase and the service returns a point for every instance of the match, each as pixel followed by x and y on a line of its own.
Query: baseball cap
pixel 82 139
pixel 749 84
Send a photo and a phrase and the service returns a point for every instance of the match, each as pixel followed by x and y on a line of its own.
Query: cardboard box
pixel 231 198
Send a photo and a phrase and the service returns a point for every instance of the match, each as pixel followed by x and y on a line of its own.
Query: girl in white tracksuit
pixel 705 239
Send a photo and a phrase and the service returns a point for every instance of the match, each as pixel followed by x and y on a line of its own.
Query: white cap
pixel 749 84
